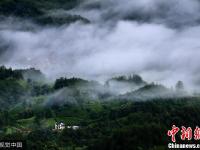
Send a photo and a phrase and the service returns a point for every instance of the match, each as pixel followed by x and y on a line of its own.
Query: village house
pixel 61 126
pixel 73 127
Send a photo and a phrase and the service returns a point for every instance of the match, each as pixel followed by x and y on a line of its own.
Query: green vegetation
pixel 136 79
pixel 114 125
pixel 64 82
pixel 105 123
pixel 50 20
pixel 9 74
pixel 37 11
pixel 21 8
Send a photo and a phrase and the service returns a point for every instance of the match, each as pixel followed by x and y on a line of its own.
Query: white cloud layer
pixel 165 48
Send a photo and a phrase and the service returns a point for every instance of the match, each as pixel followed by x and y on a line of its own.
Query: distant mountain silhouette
pixel 151 91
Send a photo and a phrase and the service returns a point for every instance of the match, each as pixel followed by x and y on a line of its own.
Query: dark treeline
pixel 131 78
pixel 66 82
pixel 9 73
pixel 31 8
pixel 35 11
pixel 136 79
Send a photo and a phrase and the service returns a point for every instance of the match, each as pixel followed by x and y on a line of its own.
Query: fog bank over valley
pixel 96 40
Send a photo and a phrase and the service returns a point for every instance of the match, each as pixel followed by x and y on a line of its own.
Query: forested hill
pixel 21 85
pixel 106 119
pixel 37 11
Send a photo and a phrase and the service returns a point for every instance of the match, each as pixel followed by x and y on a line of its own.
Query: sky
pixel 156 39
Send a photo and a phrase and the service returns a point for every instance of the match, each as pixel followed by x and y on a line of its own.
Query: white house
pixel 59 126
pixel 73 127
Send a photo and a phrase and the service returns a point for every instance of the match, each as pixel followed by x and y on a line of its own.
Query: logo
pixel 186 134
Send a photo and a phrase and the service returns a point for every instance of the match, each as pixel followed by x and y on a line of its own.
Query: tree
pixel 9 73
pixel 179 86
pixel 65 82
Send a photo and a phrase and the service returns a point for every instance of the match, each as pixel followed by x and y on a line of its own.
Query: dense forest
pixel 30 108
pixel 73 73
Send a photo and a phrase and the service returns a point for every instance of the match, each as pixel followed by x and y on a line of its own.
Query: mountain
pixel 122 84
pixel 149 91
pixel 38 12
pixel 32 74
pixel 60 20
